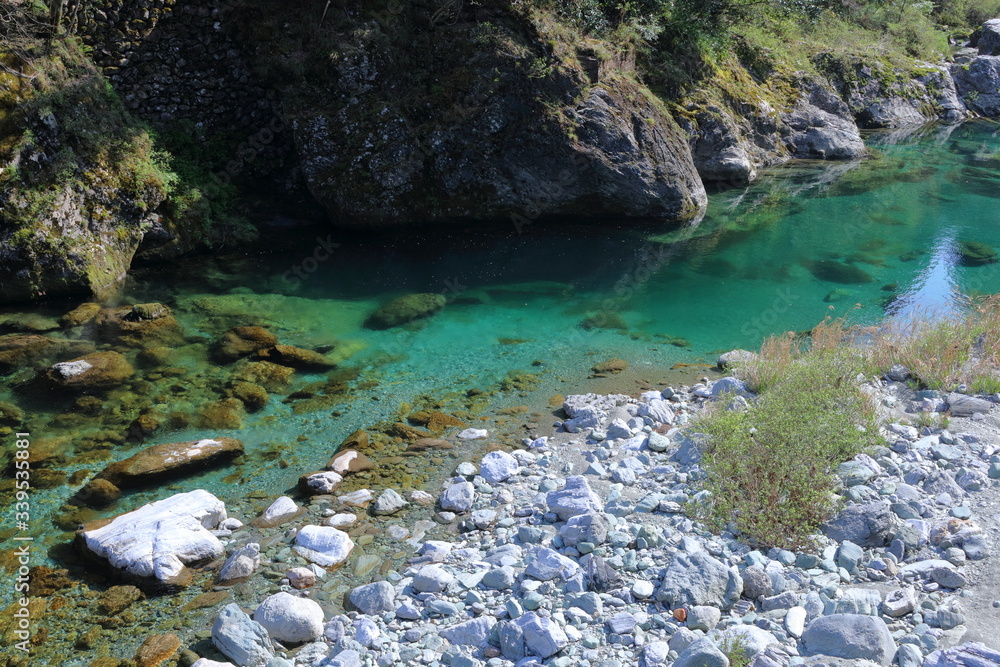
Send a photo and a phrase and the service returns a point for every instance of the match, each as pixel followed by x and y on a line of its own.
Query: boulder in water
pixel 170 460
pixel 837 272
pixel 141 325
pixel 976 253
pixel 296 357
pixel 240 342
pixel 92 372
pixel 405 309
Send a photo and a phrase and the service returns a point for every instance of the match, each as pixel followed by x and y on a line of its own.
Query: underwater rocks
pixel 141 325
pixel 93 372
pixel 405 309
pixel 159 540
pixel 837 272
pixel 296 357
pixel 80 315
pixel 243 341
pixel 976 253
pixel 170 460
pixel 610 367
pixel 22 350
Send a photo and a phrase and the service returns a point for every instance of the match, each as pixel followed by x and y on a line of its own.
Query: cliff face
pixel 478 114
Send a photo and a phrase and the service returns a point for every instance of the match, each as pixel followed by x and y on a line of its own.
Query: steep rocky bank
pixel 409 115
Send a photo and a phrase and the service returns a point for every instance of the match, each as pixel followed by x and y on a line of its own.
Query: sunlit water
pixel 806 241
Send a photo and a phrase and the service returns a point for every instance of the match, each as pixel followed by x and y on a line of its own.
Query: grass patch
pixel 771 466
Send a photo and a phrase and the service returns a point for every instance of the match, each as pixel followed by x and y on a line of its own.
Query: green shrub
pixel 770 467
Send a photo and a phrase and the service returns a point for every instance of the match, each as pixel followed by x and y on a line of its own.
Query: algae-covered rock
pixel 296 357
pixel 44 581
pixel 98 493
pixel 93 372
pixel 77 234
pixel 10 415
pixel 80 315
pixel 144 325
pixel 242 341
pixel 611 366
pixel 405 309
pixel 117 599
pixel 272 377
pixel 156 650
pixel 253 396
pixel 166 461
pixel 976 253
pixel 604 320
pixel 224 414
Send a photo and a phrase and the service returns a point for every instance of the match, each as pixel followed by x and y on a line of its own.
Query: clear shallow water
pixel 806 241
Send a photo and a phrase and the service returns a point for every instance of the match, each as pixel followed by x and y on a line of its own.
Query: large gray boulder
pixel 821 127
pixel 978 84
pixel 701 653
pixel 850 636
pixel 868 525
pixel 989 38
pixel 240 638
pixel 970 654
pixel 699 579
pixel 374 598
pixel 575 498
pixel 470 633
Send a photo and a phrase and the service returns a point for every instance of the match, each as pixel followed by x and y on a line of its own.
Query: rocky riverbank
pixel 583 544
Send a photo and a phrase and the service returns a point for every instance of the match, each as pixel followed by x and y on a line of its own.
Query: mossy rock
pixel 976 253
pixel 604 320
pixel 272 377
pixel 156 650
pixel 223 415
pixel 117 599
pixel 44 581
pixel 80 315
pixel 28 323
pixel 153 325
pixel 99 371
pixel 296 357
pixel 154 356
pixel 435 421
pixel 98 494
pixel 10 415
pixel 610 367
pixel 46 478
pixel 837 272
pixel 253 396
pixel 240 342
pixel 405 309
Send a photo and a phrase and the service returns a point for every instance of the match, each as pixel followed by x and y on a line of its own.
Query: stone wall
pixel 172 59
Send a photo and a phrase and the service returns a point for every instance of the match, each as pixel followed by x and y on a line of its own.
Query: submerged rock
pixel 976 253
pixel 405 309
pixel 92 372
pixel 170 460
pixel 142 325
pixel 22 350
pixel 296 357
pixel 837 272
pixel 161 539
pixel 242 341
